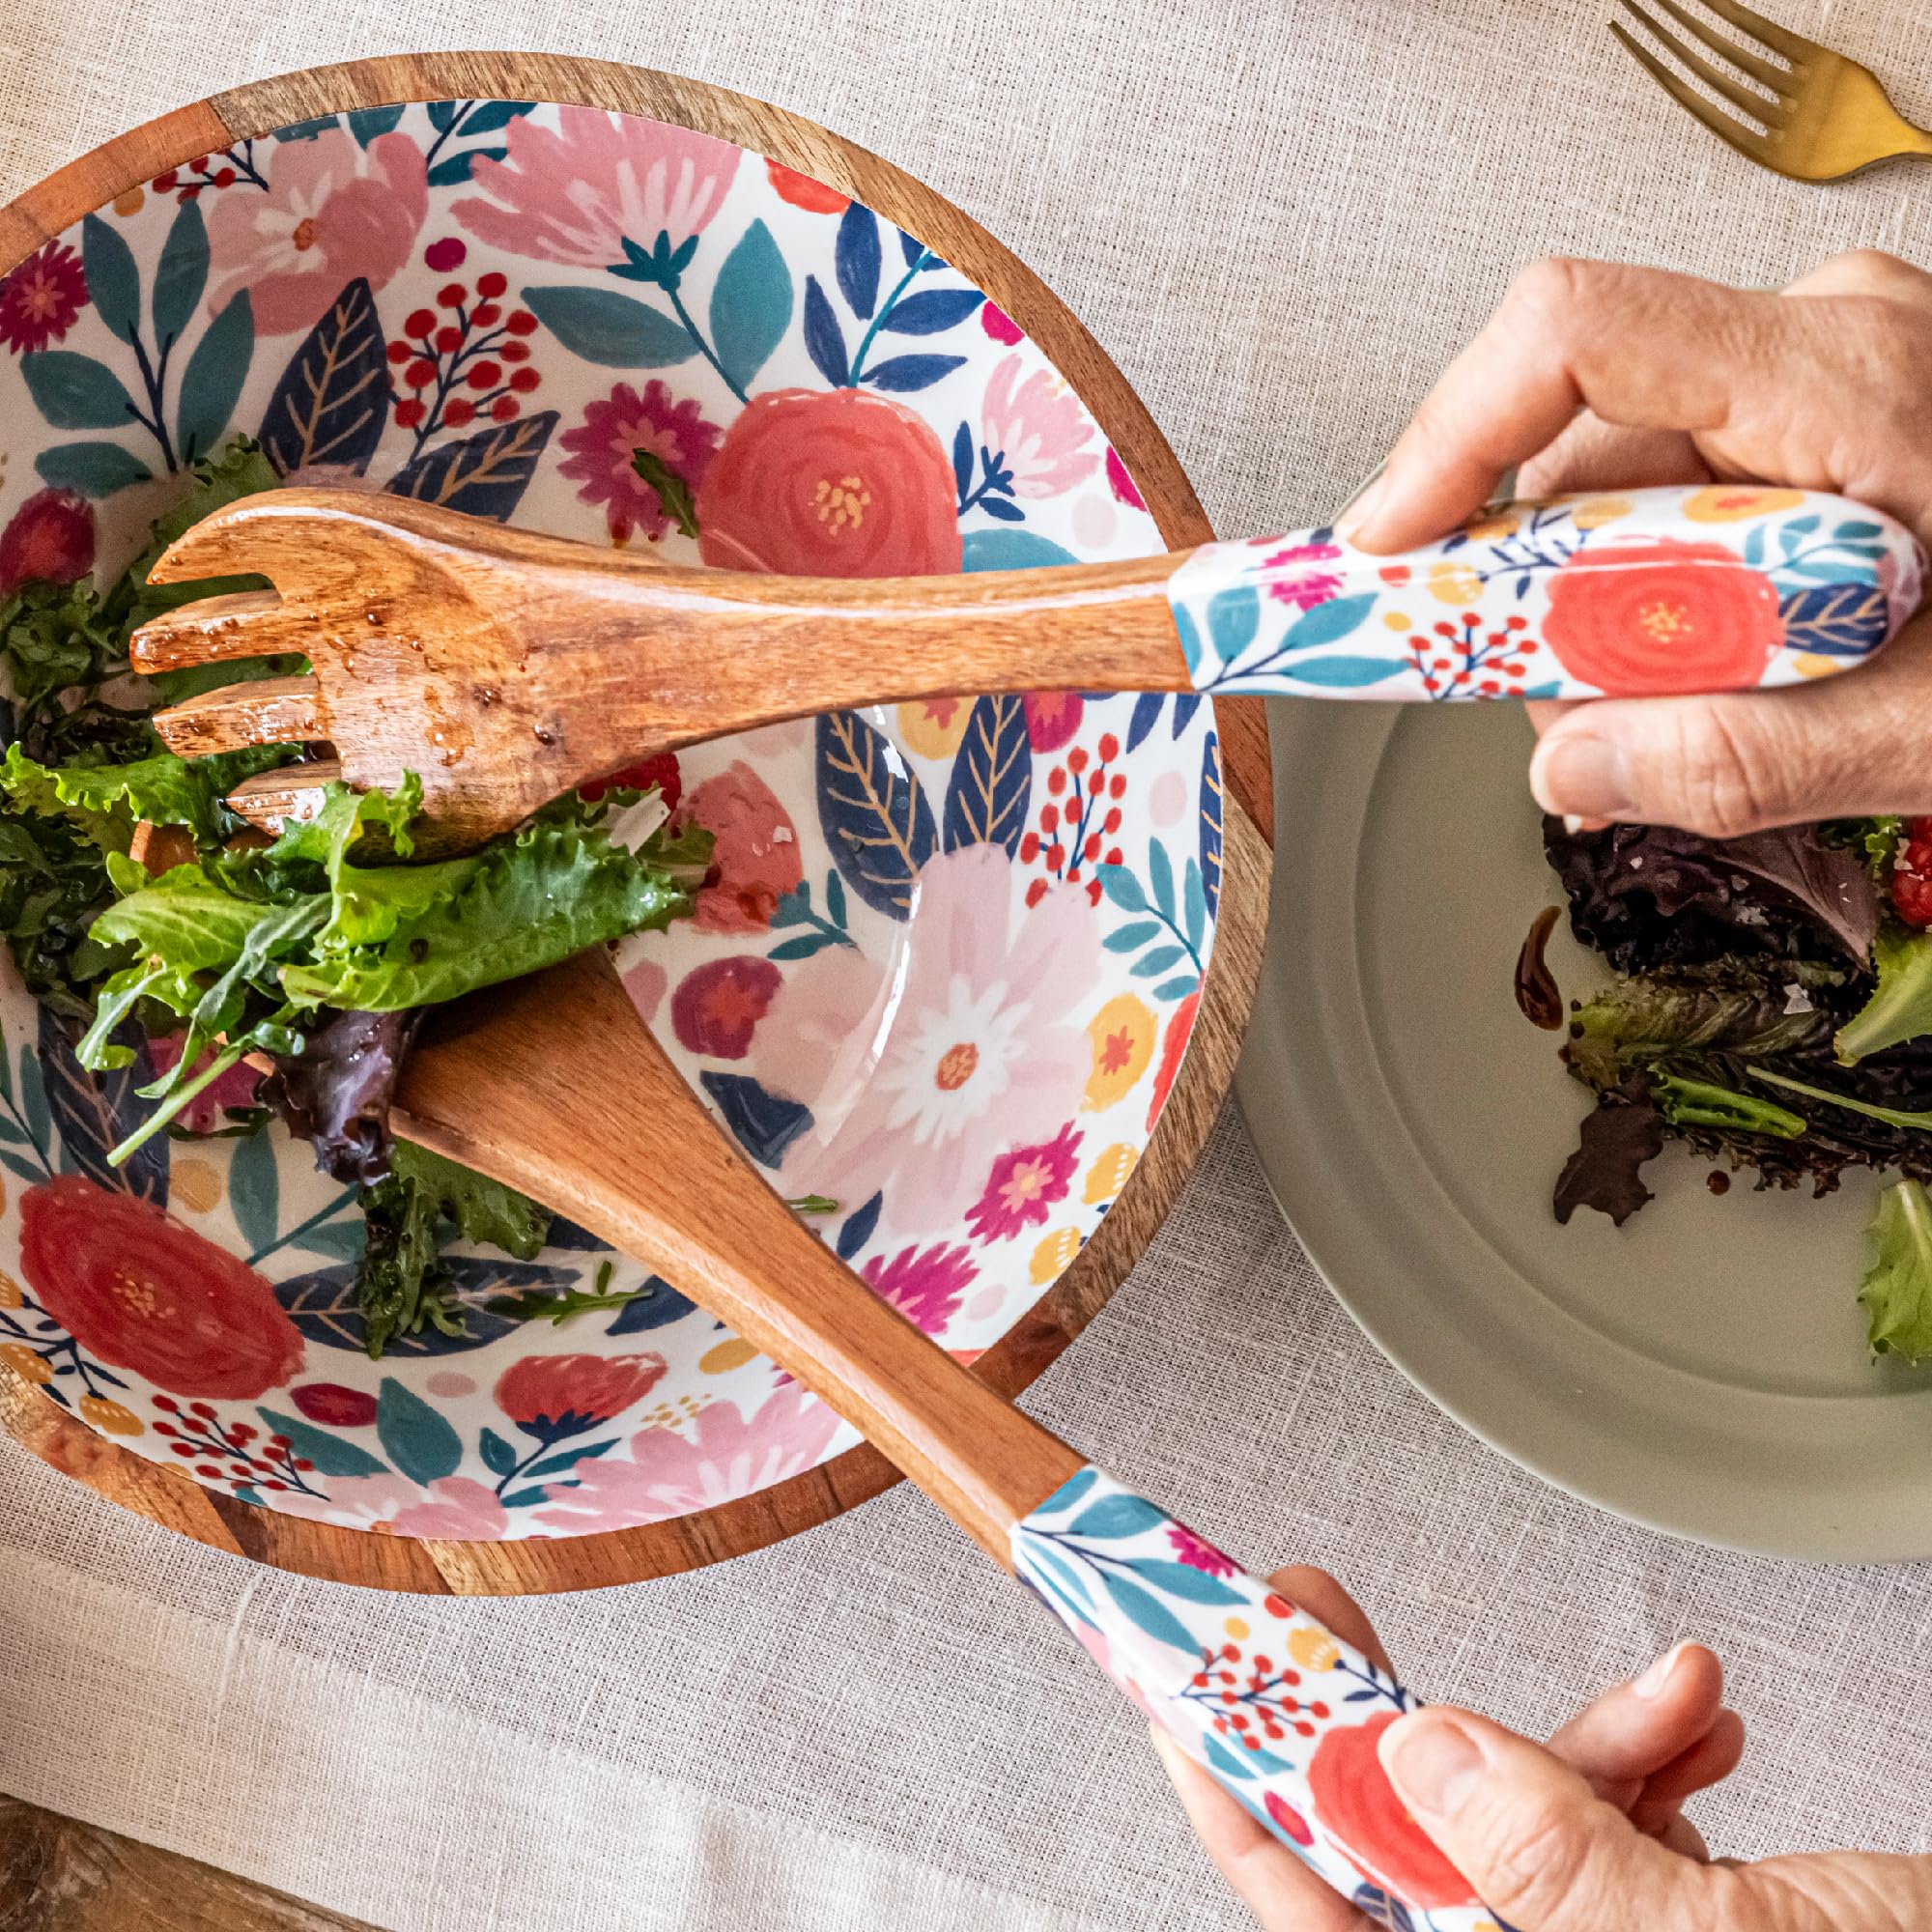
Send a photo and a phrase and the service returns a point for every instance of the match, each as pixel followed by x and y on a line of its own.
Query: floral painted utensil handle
pixel 1283 1716
pixel 1646 592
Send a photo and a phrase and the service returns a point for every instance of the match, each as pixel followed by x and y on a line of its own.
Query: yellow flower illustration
pixel 934 726
pixel 109 1417
pixel 128 201
pixel 24 1362
pixel 1493 529
pixel 1735 502
pixel 1454 583
pixel 1109 1174
pixel 195 1184
pixel 1054 1256
pixel 1814 663
pixel 1313 1649
pixel 1123 1033
pixel 730 1354
pixel 1594 512
pixel 11 1294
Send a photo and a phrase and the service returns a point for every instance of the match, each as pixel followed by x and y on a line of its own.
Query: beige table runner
pixel 1281 219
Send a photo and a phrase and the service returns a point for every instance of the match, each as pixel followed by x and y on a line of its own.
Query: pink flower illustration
pixel 998 323
pixel 40 299
pixel 574 194
pixel 365 1503
pixel 1052 718
pixel 754 858
pixel 1303 588
pixel 1023 1184
pixel 613 431
pixel 921 1067
pixel 51 536
pixel 458 1506
pixel 726 1456
pixel 207 1112
pixel 1198 1554
pixel 333 212
pixel 1038 427
pixel 645 983
pixel 1121 483
pixel 925 1285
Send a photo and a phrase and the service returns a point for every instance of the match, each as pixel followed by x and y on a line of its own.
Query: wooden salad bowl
pixel 168 1495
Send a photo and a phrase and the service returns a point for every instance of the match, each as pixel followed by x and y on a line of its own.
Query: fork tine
pixel 1740 96
pixel 270 711
pixel 1745 140
pixel 1777 78
pixel 295 791
pixel 1793 46
pixel 213 630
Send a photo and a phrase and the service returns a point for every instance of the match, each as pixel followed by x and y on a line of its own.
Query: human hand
pixel 1585 1834
pixel 1828 387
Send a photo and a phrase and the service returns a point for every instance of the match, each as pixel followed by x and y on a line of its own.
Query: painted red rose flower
pixel 1651 619
pixel 604 447
pixel 554 1396
pixel 50 536
pixel 845 484
pixel 40 299
pixel 1355 1801
pixel 755 855
pixel 140 1292
pixel 718 1006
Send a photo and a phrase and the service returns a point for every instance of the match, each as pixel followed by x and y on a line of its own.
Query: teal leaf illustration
pixel 872 812
pixel 254 1191
pixel 1234 617
pixel 1069 1493
pixel 1130 938
pixel 485 474
pixel 95 1111
pixel 75 391
pixel 568 1459
pixel 330 1453
pixel 1010 550
pixel 1117 1516
pixel 1143 1607
pixel 306 131
pixel 991 785
pixel 34 1102
pixel 1178 988
pixel 368 123
pixel 112 279
pixel 750 305
pixel 211 382
pixel 180 275
pixel 1194 902
pixel 341 1240
pixel 1059 1576
pixel 455 168
pixel 333 400
pixel 93 469
pixel 1189 634
pixel 490 117
pixel 1343 673
pixel 1183 1579
pixel 1160 876
pixel 420 1442
pixel 499 1457
pixel 1328 621
pixel 615 331
pixel 1163 959
pixel 1122 887
pixel 765 1123
pixel 1223 1760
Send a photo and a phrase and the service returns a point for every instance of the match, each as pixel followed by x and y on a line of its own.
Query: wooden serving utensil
pixel 505 668
pixel 1283 1715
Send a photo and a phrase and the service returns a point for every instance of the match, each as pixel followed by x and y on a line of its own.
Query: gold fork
pixel 1823 115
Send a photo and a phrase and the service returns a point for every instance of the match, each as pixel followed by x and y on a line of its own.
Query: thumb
pixel 1540 1848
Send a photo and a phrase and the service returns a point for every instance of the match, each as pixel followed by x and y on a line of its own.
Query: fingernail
pixel 1581 775
pixel 1573 822
pixel 1362 512
pixel 1651 1684
pixel 1433 1763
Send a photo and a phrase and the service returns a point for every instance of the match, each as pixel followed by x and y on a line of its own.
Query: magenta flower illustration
pixel 40 299
pixel 1303 588
pixel 1023 1186
pixel 604 447
pixel 925 1285
pixel 1198 1554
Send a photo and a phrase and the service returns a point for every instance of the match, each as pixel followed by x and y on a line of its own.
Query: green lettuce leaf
pixel 1651 1015
pixel 1897 1286
pixel 1900 1007
pixel 184 921
pixel 54 637
pixel 1897 1117
pixel 1698 1103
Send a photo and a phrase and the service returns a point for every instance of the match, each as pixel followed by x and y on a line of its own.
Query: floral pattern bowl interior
pixel 943 981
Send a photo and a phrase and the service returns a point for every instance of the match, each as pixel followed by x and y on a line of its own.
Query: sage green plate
pixel 1702 1368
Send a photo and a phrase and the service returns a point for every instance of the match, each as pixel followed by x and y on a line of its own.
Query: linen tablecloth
pixel 1281 219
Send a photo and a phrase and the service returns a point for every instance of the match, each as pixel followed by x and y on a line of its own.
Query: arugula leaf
pixel 673 492
pixel 54 637
pixel 1700 1104
pixel 1900 1007
pixel 1897 1286
pixel 483 1209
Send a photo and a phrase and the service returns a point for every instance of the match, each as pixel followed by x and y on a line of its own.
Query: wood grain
pixel 166 1494
pixel 58 1875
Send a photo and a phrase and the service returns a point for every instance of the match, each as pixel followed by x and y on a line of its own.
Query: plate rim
pixel 171 1497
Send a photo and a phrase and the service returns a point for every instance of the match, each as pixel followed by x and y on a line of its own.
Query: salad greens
pixel 309 956
pixel 1897 1286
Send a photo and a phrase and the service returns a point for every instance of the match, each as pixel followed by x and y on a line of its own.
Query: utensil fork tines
pixel 1797 108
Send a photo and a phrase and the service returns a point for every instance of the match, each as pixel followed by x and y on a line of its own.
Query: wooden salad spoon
pixel 1281 1712
pixel 505 668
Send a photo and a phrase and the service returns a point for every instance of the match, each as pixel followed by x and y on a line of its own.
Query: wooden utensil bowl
pixel 172 1499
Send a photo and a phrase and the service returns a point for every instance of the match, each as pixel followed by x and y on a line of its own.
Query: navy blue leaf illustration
pixel 1117 1516
pixel 1186 705
pixel 180 275
pixel 858 1228
pixel 1146 712
pixel 991 785
pixel 750 305
pixel 366 124
pixel 567 1234
pixel 75 391
pixel 484 475
pixel 857 258
pixel 765 1123
pixel 615 331
pixel 914 253
pixel 1210 822
pixel 962 460
pixel 95 1112
pixel 420 1442
pixel 1379 1909
pixel 872 812
pixel 113 282
pixel 930 311
pixel 331 1454
pixel 322 1303
pixel 92 469
pixel 1143 1607
pixel 211 382
pixel 1837 620
pixel 1003 510
pixel 657 1306
pixel 500 1458
pixel 1344 673
pixel 824 339
pixel 455 168
pixel 901 375
pixel 333 398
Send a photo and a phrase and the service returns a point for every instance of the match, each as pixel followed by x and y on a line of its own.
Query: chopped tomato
pixel 1912 874
pixel 661 771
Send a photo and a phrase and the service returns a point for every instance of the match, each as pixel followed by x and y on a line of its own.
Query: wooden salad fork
pixel 1823 115
pixel 1281 1712
pixel 505 668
